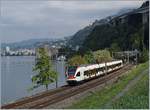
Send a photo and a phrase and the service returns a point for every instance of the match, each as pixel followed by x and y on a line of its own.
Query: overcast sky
pixel 22 20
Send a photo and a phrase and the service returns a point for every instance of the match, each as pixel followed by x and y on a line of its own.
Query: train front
pixel 70 75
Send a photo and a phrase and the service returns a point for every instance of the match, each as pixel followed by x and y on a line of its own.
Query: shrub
pixel 102 56
pixel 144 56
pixel 77 60
pixel 89 57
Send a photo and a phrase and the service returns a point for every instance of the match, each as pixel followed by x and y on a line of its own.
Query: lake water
pixel 16 72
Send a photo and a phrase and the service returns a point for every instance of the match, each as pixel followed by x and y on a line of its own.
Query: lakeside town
pixel 52 52
pixel 20 52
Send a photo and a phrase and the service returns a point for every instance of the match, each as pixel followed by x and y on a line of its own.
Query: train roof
pixel 97 65
pixel 108 63
pixel 91 66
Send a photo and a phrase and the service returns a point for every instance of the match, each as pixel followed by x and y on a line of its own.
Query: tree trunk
pixel 46 87
pixel 56 83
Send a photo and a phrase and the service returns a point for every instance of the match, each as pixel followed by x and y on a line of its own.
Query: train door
pixel 78 76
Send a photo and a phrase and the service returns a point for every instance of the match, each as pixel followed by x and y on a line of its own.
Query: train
pixel 76 74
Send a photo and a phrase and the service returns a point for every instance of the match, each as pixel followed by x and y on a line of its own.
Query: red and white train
pixel 77 74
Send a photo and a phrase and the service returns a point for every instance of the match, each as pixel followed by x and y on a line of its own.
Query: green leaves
pixel 77 60
pixel 115 47
pixel 144 55
pixel 90 57
pixel 102 56
pixel 43 66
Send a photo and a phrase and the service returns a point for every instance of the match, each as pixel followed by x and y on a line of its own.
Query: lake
pixel 16 73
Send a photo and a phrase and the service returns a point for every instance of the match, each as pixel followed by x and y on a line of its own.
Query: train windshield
pixel 71 70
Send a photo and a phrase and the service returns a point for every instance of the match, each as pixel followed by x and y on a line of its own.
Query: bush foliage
pixel 77 60
pixel 102 56
pixel 91 57
pixel 144 56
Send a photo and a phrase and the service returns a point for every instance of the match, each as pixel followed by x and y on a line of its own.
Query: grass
pixel 136 97
pixel 100 98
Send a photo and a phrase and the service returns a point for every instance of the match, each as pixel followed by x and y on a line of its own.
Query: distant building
pixel 52 51
pixel 7 49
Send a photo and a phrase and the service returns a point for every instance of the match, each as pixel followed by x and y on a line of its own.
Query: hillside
pixel 78 38
pixel 124 31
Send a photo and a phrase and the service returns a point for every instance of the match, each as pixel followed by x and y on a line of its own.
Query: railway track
pixel 34 97
pixel 49 98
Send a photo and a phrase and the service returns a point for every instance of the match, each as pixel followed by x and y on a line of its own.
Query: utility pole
pixel 112 55
pixel 57 75
pixel 128 57
pixel 136 59
pixel 136 52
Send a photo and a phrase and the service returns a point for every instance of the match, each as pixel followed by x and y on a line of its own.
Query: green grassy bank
pixel 137 97
pixel 100 98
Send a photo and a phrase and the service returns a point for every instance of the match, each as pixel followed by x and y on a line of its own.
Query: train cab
pixel 72 74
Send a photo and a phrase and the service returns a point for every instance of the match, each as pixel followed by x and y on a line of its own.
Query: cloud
pixel 21 20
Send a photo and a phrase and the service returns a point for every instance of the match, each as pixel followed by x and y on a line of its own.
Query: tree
pixel 115 47
pixel 102 56
pixel 136 41
pixel 77 60
pixel 43 66
pixel 89 57
pixel 144 55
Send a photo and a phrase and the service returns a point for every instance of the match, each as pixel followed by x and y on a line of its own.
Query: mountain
pixel 32 43
pixel 124 30
pixel 145 4
pixel 127 31
pixel 24 44
pixel 123 11
pixel 78 38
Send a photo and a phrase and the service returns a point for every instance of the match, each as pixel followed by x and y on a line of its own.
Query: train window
pixel 85 72
pixel 97 70
pixel 101 69
pixel 112 66
pixel 78 74
pixel 71 70
pixel 94 71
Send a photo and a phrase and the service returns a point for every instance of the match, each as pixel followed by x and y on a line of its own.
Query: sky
pixel 35 19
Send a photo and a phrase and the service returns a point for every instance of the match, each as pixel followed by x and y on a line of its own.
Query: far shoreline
pixel 19 56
